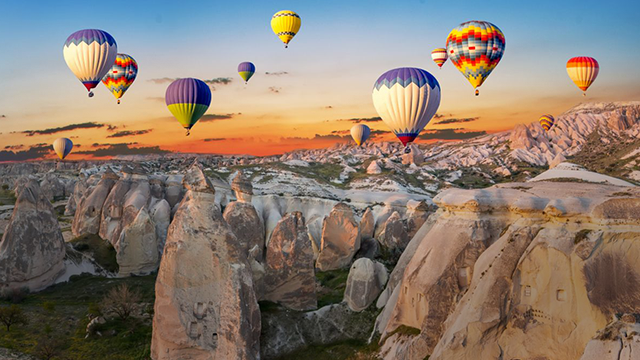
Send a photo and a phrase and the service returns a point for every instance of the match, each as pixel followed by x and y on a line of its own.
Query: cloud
pixel 123 149
pixel 450 134
pixel 221 139
pixel 14 147
pixel 340 132
pixel 377 133
pixel 215 117
pixel 97 145
pixel 87 125
pixel 361 120
pixel 275 90
pixel 129 133
pixel 111 128
pixel 210 82
pixel 156 98
pixel 328 107
pixel 34 152
pixel 456 120
pixel 276 73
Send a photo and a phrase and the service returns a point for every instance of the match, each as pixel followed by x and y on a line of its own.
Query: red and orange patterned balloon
pixel 583 70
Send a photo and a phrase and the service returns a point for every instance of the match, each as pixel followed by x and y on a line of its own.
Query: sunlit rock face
pixel 340 239
pixel 32 248
pixel 205 304
pixel 518 271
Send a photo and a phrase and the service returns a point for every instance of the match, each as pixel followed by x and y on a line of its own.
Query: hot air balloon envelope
pixel 360 133
pixel 62 147
pixel 90 54
pixel 439 56
pixel 285 25
pixel 406 99
pixel 188 99
pixel 475 48
pixel 246 70
pixel 583 70
pixel 121 75
pixel 546 121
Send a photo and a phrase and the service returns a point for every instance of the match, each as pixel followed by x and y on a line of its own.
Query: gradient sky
pixel 316 85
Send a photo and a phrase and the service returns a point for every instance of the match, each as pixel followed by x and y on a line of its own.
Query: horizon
pixel 303 97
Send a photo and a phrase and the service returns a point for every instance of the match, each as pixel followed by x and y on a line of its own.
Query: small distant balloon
pixel 246 70
pixel 439 56
pixel 547 121
pixel 121 75
pixel 360 133
pixel 89 54
pixel 475 48
pixel 583 70
pixel 285 24
pixel 406 99
pixel 188 99
pixel 62 147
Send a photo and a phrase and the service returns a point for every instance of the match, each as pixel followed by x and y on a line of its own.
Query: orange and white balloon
pixel 583 70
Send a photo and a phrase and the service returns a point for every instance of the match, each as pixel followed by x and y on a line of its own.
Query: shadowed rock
pixel 32 249
pixel 138 247
pixel 242 188
pixel 290 277
pixel 340 239
pixel 89 210
pixel 247 226
pixel 364 284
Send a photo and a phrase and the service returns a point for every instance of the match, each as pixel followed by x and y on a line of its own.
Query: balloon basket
pixel 118 101
pixel 90 94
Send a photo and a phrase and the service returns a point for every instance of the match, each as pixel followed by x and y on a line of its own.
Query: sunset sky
pixel 300 97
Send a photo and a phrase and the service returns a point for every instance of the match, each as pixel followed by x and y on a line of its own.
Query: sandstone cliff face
pixel 32 248
pixel 340 239
pixel 138 246
pixel 517 271
pixel 89 210
pixel 247 226
pixel 290 276
pixel 205 304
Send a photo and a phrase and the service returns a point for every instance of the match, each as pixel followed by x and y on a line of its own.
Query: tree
pixel 47 347
pixel 121 300
pixel 10 315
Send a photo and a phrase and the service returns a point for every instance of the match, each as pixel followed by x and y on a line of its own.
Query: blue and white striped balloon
pixel 406 99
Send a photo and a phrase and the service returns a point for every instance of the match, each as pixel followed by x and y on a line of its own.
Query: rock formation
pixel 364 284
pixel 32 248
pixel 138 246
pixel 340 239
pixel 77 194
pixel 374 168
pixel 89 210
pixel 367 225
pixel 394 237
pixel 173 189
pixel 417 215
pixel 242 188
pixel 503 268
pixel 290 276
pixel 205 304
pixel 619 340
pixel 244 219
pixel 161 214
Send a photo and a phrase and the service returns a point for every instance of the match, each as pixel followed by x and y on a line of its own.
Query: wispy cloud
pixel 14 147
pixel 97 145
pixel 87 125
pixel 34 152
pixel 276 73
pixel 129 133
pixel 123 149
pixel 274 89
pixel 220 139
pixel 216 117
pixel 211 82
pixel 456 120
pixel 450 134
pixel 363 120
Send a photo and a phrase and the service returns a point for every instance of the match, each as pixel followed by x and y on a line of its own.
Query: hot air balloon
pixel 62 147
pixel 439 56
pixel 546 121
pixel 583 70
pixel 188 99
pixel 246 70
pixel 406 99
pixel 121 75
pixel 360 133
pixel 90 54
pixel 285 25
pixel 475 48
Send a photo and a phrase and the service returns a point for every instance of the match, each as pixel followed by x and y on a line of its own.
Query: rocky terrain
pixel 515 245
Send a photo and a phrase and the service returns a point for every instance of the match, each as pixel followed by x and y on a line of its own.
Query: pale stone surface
pixel 242 187
pixel 340 239
pixel 374 168
pixel 619 340
pixel 161 214
pixel 290 276
pixel 205 303
pixel 138 247
pixel 558 159
pixel 364 283
pixel 417 215
pixel 32 248
pixel 367 224
pixel 89 210
pixel 394 237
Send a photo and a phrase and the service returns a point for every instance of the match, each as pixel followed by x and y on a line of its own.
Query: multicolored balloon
pixel 406 99
pixel 188 99
pixel 285 24
pixel 90 53
pixel 439 56
pixel 583 70
pixel 546 121
pixel 246 70
pixel 360 133
pixel 62 147
pixel 121 75
pixel 475 48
